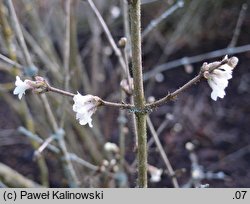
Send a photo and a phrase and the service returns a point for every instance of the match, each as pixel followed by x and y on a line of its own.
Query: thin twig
pixel 103 102
pixel 122 120
pixel 67 45
pixel 147 1
pixel 70 173
pixel 68 167
pixel 83 162
pixel 118 105
pixel 9 61
pixel 163 153
pixel 230 158
pixel 44 145
pixel 31 70
pixel 54 149
pixel 7 33
pixel 37 139
pixel 108 34
pixel 238 25
pixel 20 34
pixel 49 112
pixel 154 23
pixel 12 178
pixel 66 57
pixel 158 131
pixel 194 59
pixel 126 51
pixel 56 90
pixel 126 28
pixel 43 56
pixel 125 57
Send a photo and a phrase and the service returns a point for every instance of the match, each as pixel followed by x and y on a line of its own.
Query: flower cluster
pixel 218 78
pixel 85 107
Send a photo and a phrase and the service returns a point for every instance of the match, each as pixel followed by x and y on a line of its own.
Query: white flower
pixel 155 174
pixel 218 78
pixel 111 147
pixel 85 107
pixel 21 87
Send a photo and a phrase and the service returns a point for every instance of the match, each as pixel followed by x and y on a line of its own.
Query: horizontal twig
pixel 194 59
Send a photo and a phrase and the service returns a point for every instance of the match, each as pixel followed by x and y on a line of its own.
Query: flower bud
pixel 122 42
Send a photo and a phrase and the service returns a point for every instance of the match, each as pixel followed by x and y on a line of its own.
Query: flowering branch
pixel 40 85
pixel 217 73
pixel 101 101
pixel 206 69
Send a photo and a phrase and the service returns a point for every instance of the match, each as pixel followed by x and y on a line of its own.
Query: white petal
pixel 156 175
pixel 88 108
pixel 21 87
pixel 225 67
pixel 218 79
pixel 222 83
pixel 217 93
pixel 18 80
pixel 20 96
pixel 86 119
pixel 16 90
pixel 90 123
pixel 222 74
pixel 85 107
pixel 212 84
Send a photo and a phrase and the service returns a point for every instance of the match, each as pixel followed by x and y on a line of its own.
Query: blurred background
pixel 206 142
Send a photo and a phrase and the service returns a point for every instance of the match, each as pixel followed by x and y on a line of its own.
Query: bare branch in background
pixel 154 23
pixel 12 178
pixel 108 34
pixel 162 153
pixel 238 26
pixel 194 59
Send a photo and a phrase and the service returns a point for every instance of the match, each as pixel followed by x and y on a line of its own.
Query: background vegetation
pixel 207 29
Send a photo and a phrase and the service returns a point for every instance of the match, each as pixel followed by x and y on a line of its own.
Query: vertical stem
pixel 66 57
pixel 142 150
pixel 135 20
